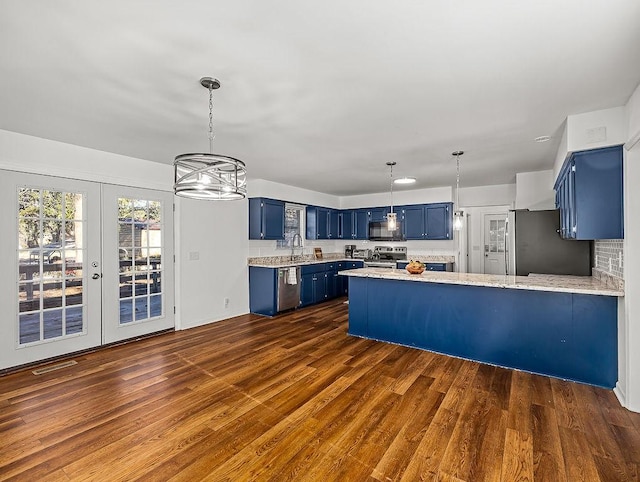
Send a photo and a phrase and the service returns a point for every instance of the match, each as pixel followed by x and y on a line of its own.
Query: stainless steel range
pixel 386 256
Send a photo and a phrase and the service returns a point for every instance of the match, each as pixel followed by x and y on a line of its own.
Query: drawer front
pixel 436 266
pixel 313 268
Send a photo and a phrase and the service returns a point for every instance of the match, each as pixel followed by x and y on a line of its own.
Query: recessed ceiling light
pixel 404 180
pixel 542 139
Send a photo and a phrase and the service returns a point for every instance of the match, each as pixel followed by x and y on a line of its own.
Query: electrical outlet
pixel 226 303
pixel 194 255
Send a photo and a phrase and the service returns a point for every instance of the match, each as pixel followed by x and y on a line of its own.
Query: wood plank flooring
pixel 295 398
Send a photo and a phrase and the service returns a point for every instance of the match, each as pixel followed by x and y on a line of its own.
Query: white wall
pixel 498 194
pixel 400 197
pixel 628 387
pixel 19 152
pixel 581 128
pixel 283 192
pixel 216 233
pixel 534 190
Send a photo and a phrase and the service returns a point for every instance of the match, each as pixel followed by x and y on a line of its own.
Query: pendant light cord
pixel 391 187
pixel 458 181
pixel 211 119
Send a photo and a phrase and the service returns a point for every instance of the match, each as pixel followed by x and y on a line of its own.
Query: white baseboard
pixel 619 392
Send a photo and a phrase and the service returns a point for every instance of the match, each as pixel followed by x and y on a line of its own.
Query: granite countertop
pixel 286 261
pixel 564 284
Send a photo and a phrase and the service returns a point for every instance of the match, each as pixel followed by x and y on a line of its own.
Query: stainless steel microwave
pixel 378 232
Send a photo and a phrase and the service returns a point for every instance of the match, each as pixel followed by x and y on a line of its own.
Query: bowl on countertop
pixel 415 268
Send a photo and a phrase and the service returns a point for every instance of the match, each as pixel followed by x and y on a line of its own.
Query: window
pixel 294 217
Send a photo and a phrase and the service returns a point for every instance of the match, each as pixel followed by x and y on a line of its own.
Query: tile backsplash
pixel 609 256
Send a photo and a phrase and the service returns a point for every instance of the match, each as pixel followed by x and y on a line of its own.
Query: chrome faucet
pixel 294 245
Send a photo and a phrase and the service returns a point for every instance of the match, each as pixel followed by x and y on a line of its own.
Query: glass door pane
pixel 140 259
pixel 138 239
pixel 50 256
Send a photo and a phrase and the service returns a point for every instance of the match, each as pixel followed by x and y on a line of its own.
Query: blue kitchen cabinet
pixel 354 224
pixel 307 289
pixel 427 221
pixel 263 294
pixel 345 224
pixel 342 284
pixel 266 218
pixel 413 221
pixel 439 220
pixel 333 224
pixel 313 288
pixel 322 223
pixel 331 284
pixel 360 224
pixel 589 195
pixel 378 214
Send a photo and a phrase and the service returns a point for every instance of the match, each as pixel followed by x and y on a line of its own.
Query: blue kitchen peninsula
pixel 560 326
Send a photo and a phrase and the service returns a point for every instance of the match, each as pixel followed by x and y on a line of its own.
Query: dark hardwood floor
pixel 295 398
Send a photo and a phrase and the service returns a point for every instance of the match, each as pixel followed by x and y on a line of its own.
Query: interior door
pixel 51 301
pixel 138 272
pixel 494 243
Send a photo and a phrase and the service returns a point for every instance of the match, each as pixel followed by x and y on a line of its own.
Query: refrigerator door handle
pixel 506 245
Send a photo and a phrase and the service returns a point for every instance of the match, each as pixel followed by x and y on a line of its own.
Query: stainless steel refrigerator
pixel 534 246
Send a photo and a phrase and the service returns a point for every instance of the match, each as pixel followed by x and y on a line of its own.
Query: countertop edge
pixel 435 277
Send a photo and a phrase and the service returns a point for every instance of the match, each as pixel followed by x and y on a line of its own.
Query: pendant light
pixel 458 215
pixel 392 218
pixel 210 176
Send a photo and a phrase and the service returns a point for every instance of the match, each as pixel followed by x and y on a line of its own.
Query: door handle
pixel 96 276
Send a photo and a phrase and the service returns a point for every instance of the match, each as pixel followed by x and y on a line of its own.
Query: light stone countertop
pixel 286 261
pixel 538 282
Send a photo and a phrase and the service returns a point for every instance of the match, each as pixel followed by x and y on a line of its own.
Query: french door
pixel 138 289
pixel 71 278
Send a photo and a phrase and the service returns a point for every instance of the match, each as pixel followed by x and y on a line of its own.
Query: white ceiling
pixel 319 95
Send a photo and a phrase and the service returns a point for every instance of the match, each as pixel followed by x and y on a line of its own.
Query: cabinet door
pixel 571 201
pixel 438 221
pixel 322 223
pixel 306 289
pixel 332 224
pixel 599 193
pixel 413 222
pixel 361 224
pixel 332 284
pixel 263 288
pixel 272 219
pixel 378 214
pixel 436 267
pixel 319 287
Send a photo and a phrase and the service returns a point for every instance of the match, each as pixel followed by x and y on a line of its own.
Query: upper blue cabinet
pixel 266 218
pixel 322 223
pixel 589 195
pixel 427 221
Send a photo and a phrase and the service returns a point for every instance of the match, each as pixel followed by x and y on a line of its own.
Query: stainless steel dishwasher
pixel 288 288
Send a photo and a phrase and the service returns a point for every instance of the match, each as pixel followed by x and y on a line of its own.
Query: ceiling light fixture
pixel 458 215
pixel 392 218
pixel 405 180
pixel 210 176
